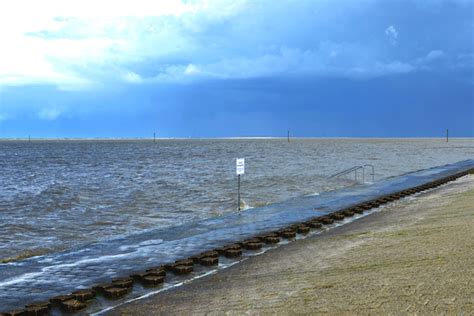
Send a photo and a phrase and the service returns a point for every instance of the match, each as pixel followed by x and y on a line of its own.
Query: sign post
pixel 239 170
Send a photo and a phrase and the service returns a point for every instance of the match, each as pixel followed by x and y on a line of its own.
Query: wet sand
pixel 414 257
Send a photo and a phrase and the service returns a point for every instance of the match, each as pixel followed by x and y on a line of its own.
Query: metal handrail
pixel 354 169
pixel 350 170
pixel 344 172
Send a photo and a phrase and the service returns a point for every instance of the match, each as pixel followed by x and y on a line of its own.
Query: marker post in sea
pixel 239 170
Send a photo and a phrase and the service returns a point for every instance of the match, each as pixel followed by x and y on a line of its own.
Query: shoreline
pixel 231 138
pixel 133 256
pixel 413 257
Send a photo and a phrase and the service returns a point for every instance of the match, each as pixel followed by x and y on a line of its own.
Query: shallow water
pixel 42 277
pixel 58 194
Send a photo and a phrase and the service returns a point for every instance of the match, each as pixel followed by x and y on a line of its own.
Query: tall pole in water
pixel 29 139
pixel 288 136
pixel 154 138
pixel 238 191
pixel 447 135
pixel 239 170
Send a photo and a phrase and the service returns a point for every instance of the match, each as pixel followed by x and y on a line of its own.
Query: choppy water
pixel 58 194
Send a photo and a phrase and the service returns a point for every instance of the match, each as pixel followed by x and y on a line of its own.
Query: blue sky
pixel 321 68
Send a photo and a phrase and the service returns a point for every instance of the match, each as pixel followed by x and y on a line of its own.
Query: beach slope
pixel 412 257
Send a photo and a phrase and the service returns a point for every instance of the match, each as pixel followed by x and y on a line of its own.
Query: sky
pixel 230 68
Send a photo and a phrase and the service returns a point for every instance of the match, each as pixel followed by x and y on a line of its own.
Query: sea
pixel 60 194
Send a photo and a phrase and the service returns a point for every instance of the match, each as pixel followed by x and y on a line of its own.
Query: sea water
pixel 59 194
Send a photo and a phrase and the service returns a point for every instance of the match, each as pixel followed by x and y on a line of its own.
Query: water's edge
pixel 42 277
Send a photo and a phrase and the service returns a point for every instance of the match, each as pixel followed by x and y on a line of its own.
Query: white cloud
pixel 191 70
pixel 330 59
pixel 75 44
pixel 93 8
pixel 381 69
pixel 392 34
pixel 434 55
pixel 132 77
pixel 430 60
pixel 49 113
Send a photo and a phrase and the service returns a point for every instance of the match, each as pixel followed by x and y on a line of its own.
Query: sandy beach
pixel 412 257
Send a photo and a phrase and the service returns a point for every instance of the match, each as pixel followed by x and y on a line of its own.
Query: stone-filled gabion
pixel 185 262
pixel 271 239
pixel 209 261
pixel 232 253
pixel 337 216
pixel 73 305
pixel 100 288
pixel 287 233
pixel 326 220
pixel 181 269
pixel 123 283
pixel 152 280
pixel 252 245
pixel 358 210
pixel 228 247
pixel 57 300
pixel 83 295
pixel 314 224
pixel 302 229
pixel 251 240
pixel 39 308
pixel 115 292
pixel 348 213
pixel 158 271
pixel 209 254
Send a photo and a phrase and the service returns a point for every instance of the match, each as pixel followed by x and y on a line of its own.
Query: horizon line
pixel 227 138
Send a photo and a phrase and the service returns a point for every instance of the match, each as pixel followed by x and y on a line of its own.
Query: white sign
pixel 240 166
